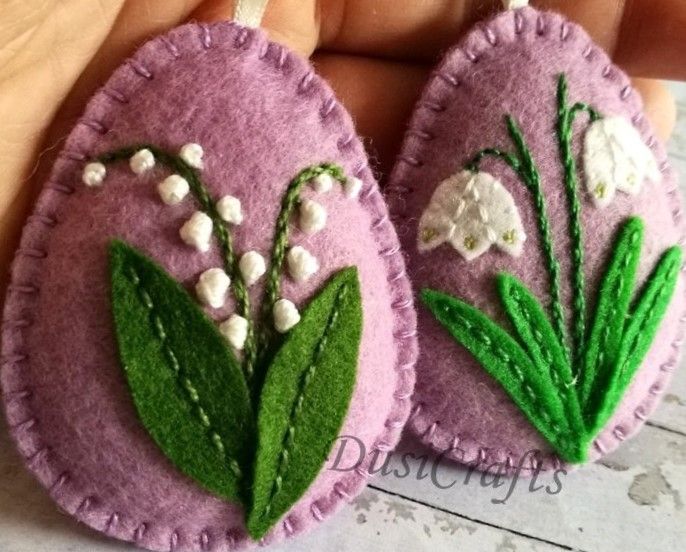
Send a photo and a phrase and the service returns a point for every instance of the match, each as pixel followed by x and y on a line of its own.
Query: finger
pixel 379 94
pixel 645 37
pixel 659 105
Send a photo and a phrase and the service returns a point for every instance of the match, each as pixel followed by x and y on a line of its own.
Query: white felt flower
pixel 322 183
pixel 286 315
pixel 235 330
pixel 197 231
pixel 212 286
pixel 173 189
pixel 616 158
pixel 229 209
pixel 312 216
pixel 301 263
pixel 352 187
pixel 472 211
pixel 192 154
pixel 142 161
pixel 94 174
pixel 252 267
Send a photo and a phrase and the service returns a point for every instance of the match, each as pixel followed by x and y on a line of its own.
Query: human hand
pixel 375 53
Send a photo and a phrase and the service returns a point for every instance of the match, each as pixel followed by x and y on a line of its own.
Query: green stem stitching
pixel 309 373
pixel 182 379
pixel 524 166
pixel 289 202
pixel 221 232
pixel 565 122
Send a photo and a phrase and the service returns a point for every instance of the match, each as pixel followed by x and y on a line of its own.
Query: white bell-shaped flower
pixel 286 315
pixel 312 216
pixel 229 209
pixel 472 211
pixel 301 263
pixel 616 158
pixel 252 266
pixel 212 287
pixel 173 189
pixel 235 330
pixel 94 174
pixel 142 161
pixel 322 183
pixel 192 154
pixel 197 231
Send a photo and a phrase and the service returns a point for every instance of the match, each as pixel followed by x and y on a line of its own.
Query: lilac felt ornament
pixel 221 121
pixel 529 192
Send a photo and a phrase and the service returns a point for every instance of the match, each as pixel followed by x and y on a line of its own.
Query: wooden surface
pixel 631 501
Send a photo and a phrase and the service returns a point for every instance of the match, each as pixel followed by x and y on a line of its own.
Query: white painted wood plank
pixel 672 411
pixel 633 501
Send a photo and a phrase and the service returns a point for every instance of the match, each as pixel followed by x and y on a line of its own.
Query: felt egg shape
pixel 183 341
pixel 544 233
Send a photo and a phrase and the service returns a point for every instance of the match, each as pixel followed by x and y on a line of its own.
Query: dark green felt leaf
pixel 186 385
pixel 640 330
pixel 612 308
pixel 540 340
pixel 509 364
pixel 305 398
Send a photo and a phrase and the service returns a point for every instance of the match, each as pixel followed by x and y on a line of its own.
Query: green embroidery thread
pixel 567 388
pixel 205 411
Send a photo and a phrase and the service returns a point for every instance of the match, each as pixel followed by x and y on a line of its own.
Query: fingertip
pixel 659 105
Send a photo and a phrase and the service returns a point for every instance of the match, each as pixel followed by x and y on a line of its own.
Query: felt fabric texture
pixel 261 115
pixel 188 387
pixel 511 64
pixel 304 399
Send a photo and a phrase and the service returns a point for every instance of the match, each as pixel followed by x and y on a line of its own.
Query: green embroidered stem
pixel 289 202
pixel 222 233
pixel 183 379
pixel 523 164
pixel 533 182
pixel 565 122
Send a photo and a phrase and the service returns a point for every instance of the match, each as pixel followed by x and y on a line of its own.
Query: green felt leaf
pixel 509 364
pixel 187 387
pixel 612 308
pixel 306 393
pixel 640 330
pixel 545 350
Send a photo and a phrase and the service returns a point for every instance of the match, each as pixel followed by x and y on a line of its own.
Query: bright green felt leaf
pixel 640 330
pixel 509 364
pixel 544 348
pixel 612 308
pixel 305 398
pixel 186 385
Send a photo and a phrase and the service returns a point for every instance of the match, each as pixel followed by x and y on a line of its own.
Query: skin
pixel 376 54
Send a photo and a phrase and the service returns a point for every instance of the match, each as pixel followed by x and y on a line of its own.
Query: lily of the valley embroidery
pixel 253 392
pixel 567 383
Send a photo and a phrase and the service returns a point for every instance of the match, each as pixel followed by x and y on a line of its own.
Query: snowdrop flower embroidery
pixel 312 216
pixel 212 287
pixel 472 211
pixel 235 330
pixel 286 315
pixel 94 174
pixel 301 263
pixel 229 209
pixel 192 154
pixel 142 161
pixel 197 231
pixel 173 189
pixel 252 266
pixel 616 158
